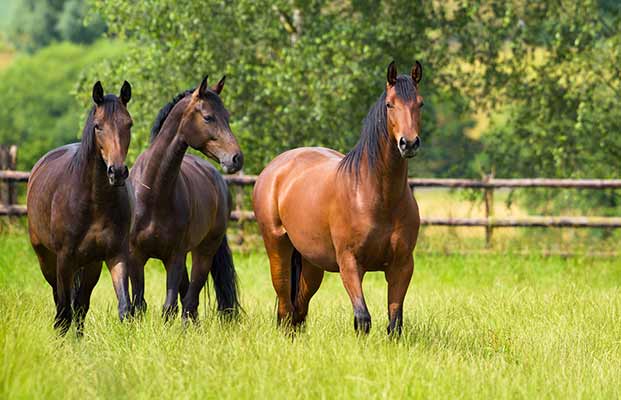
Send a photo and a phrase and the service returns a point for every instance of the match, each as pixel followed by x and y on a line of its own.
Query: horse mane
pixel 87 143
pixel 165 111
pixel 375 129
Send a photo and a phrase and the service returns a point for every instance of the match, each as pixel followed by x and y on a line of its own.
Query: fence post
pixel 12 165
pixel 489 210
pixel 239 201
pixel 4 164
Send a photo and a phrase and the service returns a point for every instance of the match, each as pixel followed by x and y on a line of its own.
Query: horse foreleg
pixel 352 274
pixel 398 277
pixel 118 268
pixel 174 275
pixel 88 278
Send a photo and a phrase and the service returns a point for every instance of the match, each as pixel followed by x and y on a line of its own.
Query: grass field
pixel 493 326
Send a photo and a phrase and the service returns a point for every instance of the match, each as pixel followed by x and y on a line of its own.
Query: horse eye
pixel 389 105
pixel 209 118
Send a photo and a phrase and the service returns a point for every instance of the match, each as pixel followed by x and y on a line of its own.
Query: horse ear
pixel 391 75
pixel 203 87
pixel 98 93
pixel 417 73
pixel 219 86
pixel 126 92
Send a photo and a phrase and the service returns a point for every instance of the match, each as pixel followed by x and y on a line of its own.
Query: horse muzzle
pixel 117 174
pixel 409 148
pixel 232 164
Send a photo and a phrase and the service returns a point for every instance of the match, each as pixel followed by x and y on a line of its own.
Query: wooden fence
pixel 8 178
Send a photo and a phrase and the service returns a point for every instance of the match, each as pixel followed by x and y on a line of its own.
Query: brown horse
pixel 321 211
pixel 79 210
pixel 183 204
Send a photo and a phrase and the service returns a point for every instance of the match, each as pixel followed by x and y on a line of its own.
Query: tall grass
pixel 490 326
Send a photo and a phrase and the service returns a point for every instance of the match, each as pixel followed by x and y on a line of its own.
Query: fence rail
pixel 532 222
pixel 492 183
pixel 487 185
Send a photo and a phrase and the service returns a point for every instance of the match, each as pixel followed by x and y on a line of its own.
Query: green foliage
pixel 300 74
pixel 72 27
pixel 35 24
pixel 39 110
pixel 557 87
pixel 561 96
pixel 6 11
pixel 305 73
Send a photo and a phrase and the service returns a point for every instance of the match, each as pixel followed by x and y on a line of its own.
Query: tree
pixel 306 72
pixel 299 73
pixel 39 109
pixel 35 24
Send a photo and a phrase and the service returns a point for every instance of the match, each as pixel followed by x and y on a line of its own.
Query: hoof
pixel 138 308
pixel 362 323
pixel 169 313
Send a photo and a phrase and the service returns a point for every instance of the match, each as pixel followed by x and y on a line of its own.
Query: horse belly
pixel 306 223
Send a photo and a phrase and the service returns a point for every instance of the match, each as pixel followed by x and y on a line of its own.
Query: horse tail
pixel 296 273
pixel 225 281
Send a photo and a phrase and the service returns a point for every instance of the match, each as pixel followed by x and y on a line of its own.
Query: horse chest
pixel 156 236
pixel 101 239
pixel 376 246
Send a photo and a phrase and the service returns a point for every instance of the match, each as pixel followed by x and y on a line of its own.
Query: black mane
pixel 375 129
pixel 87 144
pixel 161 116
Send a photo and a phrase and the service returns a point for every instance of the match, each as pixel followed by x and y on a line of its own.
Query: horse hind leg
pixel 174 276
pixel 83 284
pixel 64 276
pixel 185 282
pixel 310 278
pixel 279 251
pixel 136 262
pixel 201 264
pixel 47 262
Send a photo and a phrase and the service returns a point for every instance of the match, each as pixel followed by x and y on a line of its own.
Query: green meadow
pixel 478 326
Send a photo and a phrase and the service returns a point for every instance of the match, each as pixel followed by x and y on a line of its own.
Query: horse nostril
pixel 110 170
pixel 125 172
pixel 416 144
pixel 237 158
pixel 403 144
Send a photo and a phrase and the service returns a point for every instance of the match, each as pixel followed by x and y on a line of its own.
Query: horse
pixel 183 204
pixel 319 210
pixel 79 210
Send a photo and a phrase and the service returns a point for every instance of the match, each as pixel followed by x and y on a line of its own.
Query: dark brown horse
pixel 79 210
pixel 183 204
pixel 321 211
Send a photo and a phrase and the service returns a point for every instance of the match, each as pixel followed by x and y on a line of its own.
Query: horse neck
pixel 167 152
pixel 387 177
pixel 92 178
